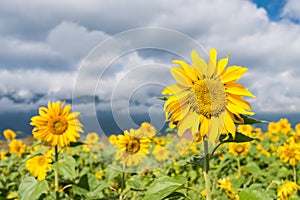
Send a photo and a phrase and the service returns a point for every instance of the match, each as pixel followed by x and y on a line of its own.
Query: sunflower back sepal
pixel 250 120
pixel 239 137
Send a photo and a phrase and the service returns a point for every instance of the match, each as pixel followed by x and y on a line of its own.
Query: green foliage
pixel 239 137
pixel 66 167
pixel 95 174
pixel 164 187
pixel 249 120
pixel 31 189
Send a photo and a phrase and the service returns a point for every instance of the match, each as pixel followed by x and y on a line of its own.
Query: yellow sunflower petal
pixel 233 73
pixel 188 69
pixel 180 77
pixel 199 63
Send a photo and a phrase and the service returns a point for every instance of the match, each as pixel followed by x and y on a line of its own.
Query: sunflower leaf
pixel 253 194
pixel 250 120
pixel 164 98
pixel 239 137
pixel 36 153
pixel 199 160
pixel 75 144
pixel 164 186
pixel 30 188
pixel 66 167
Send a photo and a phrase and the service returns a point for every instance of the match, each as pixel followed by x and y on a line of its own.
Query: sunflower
pixel 39 165
pixel 147 129
pixel 225 184
pixel 297 127
pixel 9 134
pixel 245 129
pixel 239 149
pixel 289 153
pixel 3 155
pixel 285 126
pixel 113 139
pixel 295 137
pixel 273 127
pixel 92 138
pixel 161 153
pixel 287 190
pixel 207 97
pixel 56 125
pixel 160 141
pixel 133 147
pixel 17 147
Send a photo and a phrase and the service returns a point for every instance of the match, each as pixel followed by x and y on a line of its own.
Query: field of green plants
pixel 266 168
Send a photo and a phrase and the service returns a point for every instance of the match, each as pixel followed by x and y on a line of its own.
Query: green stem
pixel 123 179
pixel 295 174
pixel 239 165
pixel 271 185
pixel 193 189
pixel 206 170
pixel 56 184
pixel 212 153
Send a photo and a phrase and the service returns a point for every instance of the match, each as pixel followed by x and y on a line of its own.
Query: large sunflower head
pixel 56 124
pixel 207 97
pixel 133 147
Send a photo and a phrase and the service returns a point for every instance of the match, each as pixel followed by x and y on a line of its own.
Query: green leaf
pixel 164 98
pixel 164 186
pixel 40 151
pixel 75 144
pixel 66 167
pixel 239 137
pixel 19 132
pixel 79 190
pixel 252 168
pixel 193 174
pixel 175 196
pixel 249 120
pixel 31 189
pixel 283 172
pixel 200 160
pixel 89 186
pixel 111 173
pixel 253 195
pixel 238 182
pixel 135 183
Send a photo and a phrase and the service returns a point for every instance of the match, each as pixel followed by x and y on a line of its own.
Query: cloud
pixel 291 10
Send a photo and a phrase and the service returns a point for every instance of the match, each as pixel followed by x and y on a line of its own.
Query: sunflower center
pixel 18 148
pixel 210 97
pixel 239 149
pixel 133 146
pixel 60 126
pixel 41 161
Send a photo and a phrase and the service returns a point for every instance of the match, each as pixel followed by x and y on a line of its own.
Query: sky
pixel 111 59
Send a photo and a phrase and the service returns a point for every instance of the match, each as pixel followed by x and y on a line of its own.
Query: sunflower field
pixel 212 148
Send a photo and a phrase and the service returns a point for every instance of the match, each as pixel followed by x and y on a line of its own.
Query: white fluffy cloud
pixel 292 9
pixel 42 55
